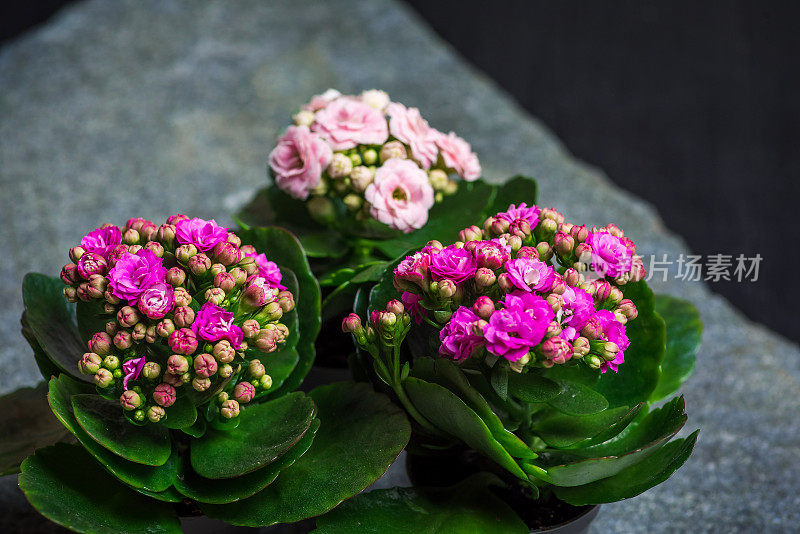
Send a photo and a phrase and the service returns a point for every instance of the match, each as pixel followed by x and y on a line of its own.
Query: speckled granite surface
pixel 116 109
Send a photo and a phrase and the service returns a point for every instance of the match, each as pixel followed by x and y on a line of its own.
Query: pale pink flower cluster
pixel 376 156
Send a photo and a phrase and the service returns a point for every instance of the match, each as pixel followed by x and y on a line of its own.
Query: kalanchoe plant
pixel 536 344
pixel 172 361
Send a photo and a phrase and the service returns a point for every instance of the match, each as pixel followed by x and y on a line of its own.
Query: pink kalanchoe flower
pixel 411 303
pixel 298 161
pixel 157 300
pixel 530 214
pixel 320 101
pixel 213 323
pixel 576 310
pixel 132 368
pixel 408 126
pixel 200 233
pixel 454 264
pixel 520 326
pixel 414 269
pixel 267 269
pixel 458 337
pixel 610 254
pixel 491 254
pixel 458 156
pixel 102 240
pixel 133 273
pixel 613 331
pixel 529 274
pixel 400 195
pixel 91 263
pixel 346 122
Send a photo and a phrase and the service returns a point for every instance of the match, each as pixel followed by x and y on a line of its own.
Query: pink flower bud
pixel 225 281
pixel 69 274
pixel 182 297
pixel 351 324
pixel 151 370
pixel 183 341
pixel 148 231
pixel 484 278
pixel 256 369
pixel 91 263
pixel 286 301
pixel 123 340
pixel 239 276
pixel 545 251
pixel 217 268
pixel 155 414
pixel 446 288
pixel 472 233
pixel 555 301
pixel 118 252
pixel 185 253
pixel 127 316
pixel 244 392
pixel 134 249
pixel 553 329
pixel 234 239
pixel 581 347
pixel 184 316
pixel 483 307
pixel 601 290
pixel 166 235
pixel 249 266
pixel 109 309
pixel 223 351
pixel 528 252
pixel 97 286
pixel 396 307
pixel 89 363
pixel 155 247
pixel 266 340
pixel 111 299
pixel 505 283
pixel 175 276
pixel 164 395
pixel 199 264
pixel 498 226
pixel 75 253
pixel 250 328
pixel 584 253
pixel 229 409
pixel 201 384
pixel 131 237
pixel 205 365
pixel 71 294
pixel 175 219
pixel 177 364
pixel 564 243
pixel 520 228
pixel 593 328
pixel 215 295
pixel 557 349
pixel 103 378
pixel 165 327
pixel 628 309
pixel 226 253
pixel 130 400
pixel 139 331
pixel 579 233
pixel 573 278
pixel 392 149
pixel 100 344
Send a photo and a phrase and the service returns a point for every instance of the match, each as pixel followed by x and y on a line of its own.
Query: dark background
pixel 690 105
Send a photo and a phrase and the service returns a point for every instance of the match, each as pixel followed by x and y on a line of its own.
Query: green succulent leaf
pixel 91 318
pixel 515 191
pixel 265 432
pixel 28 424
pixel 561 430
pixel 638 377
pixel 66 485
pixel 227 490
pixel 278 365
pixel 469 506
pixel 577 399
pixel 575 371
pixel 52 322
pixel 633 415
pixel 450 414
pixel 106 423
pixel 284 249
pixel 360 435
pixel 46 367
pixel 634 480
pixel 533 387
pixel 684 335
pixel 168 495
pixel 182 414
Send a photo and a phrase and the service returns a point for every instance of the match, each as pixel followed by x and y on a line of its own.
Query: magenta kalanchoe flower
pixel 613 331
pixel 200 233
pixel 91 263
pixel 611 256
pixel 530 275
pixel 157 300
pixel 458 337
pixel 453 263
pixel 529 214
pixel 267 269
pixel 133 273
pixel 102 241
pixel 131 369
pixel 519 326
pixel 411 302
pixel 413 270
pixel 213 323
pixel 491 254
pixel 575 312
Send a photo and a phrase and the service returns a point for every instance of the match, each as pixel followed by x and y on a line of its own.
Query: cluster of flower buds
pixel 495 293
pixel 375 157
pixel 183 302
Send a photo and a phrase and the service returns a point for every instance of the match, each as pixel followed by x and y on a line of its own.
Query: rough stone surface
pixel 117 109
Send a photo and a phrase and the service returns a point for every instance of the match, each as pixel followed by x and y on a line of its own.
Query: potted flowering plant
pixel 528 354
pixel 361 179
pixel 171 354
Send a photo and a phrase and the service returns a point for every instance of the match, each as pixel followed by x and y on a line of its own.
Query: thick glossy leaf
pixel 46 367
pixel 265 432
pixel 450 414
pixel 562 430
pixel 227 490
pixel 52 321
pixel 272 206
pixel 634 480
pixel 168 495
pixel 360 435
pixel 469 506
pixel 27 424
pixel 66 485
pixel 283 248
pixel 154 479
pixel 533 387
pixel 634 414
pixel 576 371
pixel 638 376
pixel 278 365
pixel 577 399
pixel 182 414
pixel 684 335
pixel 447 374
pixel 515 191
pixel 90 318
pixel 105 422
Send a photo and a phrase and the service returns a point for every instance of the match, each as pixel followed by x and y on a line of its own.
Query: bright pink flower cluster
pixel 496 292
pixel 183 302
pixel 378 158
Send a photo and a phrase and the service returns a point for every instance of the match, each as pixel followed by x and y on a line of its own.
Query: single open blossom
pixel 131 370
pixel 346 122
pixel 611 256
pixel 213 323
pixel 102 240
pixel 412 306
pixel 458 337
pixel 458 155
pixel 519 326
pixel 575 311
pixel 268 270
pixel 407 125
pixel 613 331
pixel 529 274
pixel 298 161
pixel 200 233
pixel 529 214
pixel 157 300
pixel 453 263
pixel 414 269
pixel 400 195
pixel 133 273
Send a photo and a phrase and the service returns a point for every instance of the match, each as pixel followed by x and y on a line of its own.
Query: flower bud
pixel 182 297
pixel 130 400
pixel 375 98
pixel 109 309
pixel 265 382
pixel 183 341
pixel 75 253
pixel 285 301
pixel 133 249
pixel 559 285
pixel 226 253
pixel 184 253
pixel 131 237
pixel 201 384
pixel 71 294
pixel 505 283
pixel 352 324
pixel 393 149
pixel 557 349
pixel 111 362
pixel 69 274
pixel 173 379
pixel 580 347
pixel 164 395
pixel 573 278
pixel 177 364
pixel 244 392
pixel 353 202
pixel 165 327
pixel 360 178
pixel 239 276
pixel 83 292
pixel 91 263
pixel 484 278
pixel 205 365
pixel 600 289
pixel 614 296
pixel 579 233
pixel 139 331
pixel 223 351
pixel 266 340
pixel 638 271
pixel 520 364
pixel 249 266
pixel 340 166
pixel 546 229
pixel 250 328
pixel 528 252
pixel 225 370
pixel 151 370
pixel 151 336
pixel 446 288
pixel 229 409
pixel 439 181
pixel 514 242
pixel 127 316
pixel 156 248
pixel 545 251
pixel 234 240
pixel 555 301
pixel 564 243
pixel 489 257
pixel 103 378
pixel 520 228
pixel 256 369
pixel 628 309
pixel 609 351
pixel 593 361
pixel 100 344
pixel 396 307
pixel 584 253
pixel 497 227
pixel 483 307
pixel 303 117
pixel 199 264
pixel 155 414
pixel 166 235
pixel 97 286
pixel 322 209
pixel 553 329
pixel 593 329
pixel 89 363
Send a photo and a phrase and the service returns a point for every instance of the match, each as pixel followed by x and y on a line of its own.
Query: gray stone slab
pixel 118 109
